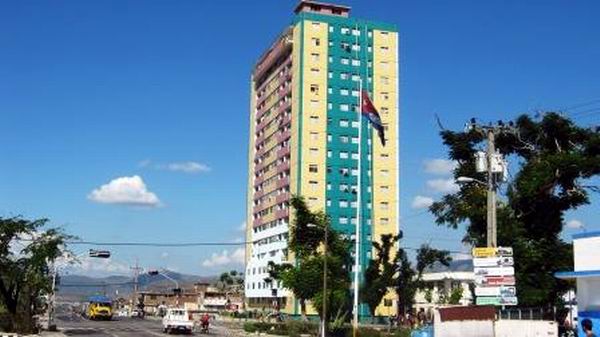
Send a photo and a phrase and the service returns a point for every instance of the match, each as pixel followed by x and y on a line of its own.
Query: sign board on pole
pixel 494 276
pixel 493 261
pixel 495 280
pixel 502 291
pixel 492 251
pixel 494 271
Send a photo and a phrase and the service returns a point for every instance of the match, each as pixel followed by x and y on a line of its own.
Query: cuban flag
pixel 369 111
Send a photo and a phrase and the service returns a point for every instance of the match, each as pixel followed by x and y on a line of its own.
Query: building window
pixel 328 202
pixel 314 120
pixel 343 76
pixel 384 206
pixel 355 155
pixel 314 71
pixel 313 168
pixel 385 80
pixel 314 151
pixel 315 57
pixel 356 63
pixel 384 221
pixel 329 106
pixel 329 90
pixel 355 32
pixel 343 203
pixel 343 188
pixel 313 185
pixel 329 138
pixel 316 41
pixel 314 88
pixel 355 78
pixel 314 103
pixel 384 188
pixel 343 155
pixel 355 93
pixel 344 61
pixel 316 25
pixel 345 30
pixel 314 136
pixel 384 173
pixel 331 29
pixel 344 92
pixel 344 139
pixel 343 220
pixel 344 107
pixel 329 154
pixel 354 140
pixel 344 123
pixel 355 124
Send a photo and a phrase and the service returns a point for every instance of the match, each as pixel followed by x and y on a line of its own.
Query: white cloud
pixel 188 167
pixel 225 258
pixel 242 227
pixel 90 265
pixel 164 255
pixel 125 190
pixel 575 224
pixel 443 185
pixel 421 202
pixel 438 166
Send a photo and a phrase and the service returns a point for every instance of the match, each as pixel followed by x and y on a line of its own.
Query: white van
pixel 177 320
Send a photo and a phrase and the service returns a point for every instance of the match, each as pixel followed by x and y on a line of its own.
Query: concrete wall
pixel 525 328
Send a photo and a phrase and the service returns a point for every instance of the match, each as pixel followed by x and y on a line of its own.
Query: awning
pixel 577 274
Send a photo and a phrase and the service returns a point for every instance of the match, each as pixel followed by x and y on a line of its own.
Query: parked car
pixel 177 320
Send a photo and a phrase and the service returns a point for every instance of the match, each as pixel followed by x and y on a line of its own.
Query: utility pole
pixel 491 189
pixel 136 273
pixel 494 166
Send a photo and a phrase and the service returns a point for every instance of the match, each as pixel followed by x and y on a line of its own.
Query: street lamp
pixel 163 273
pixel 324 319
pixel 99 254
pixel 467 180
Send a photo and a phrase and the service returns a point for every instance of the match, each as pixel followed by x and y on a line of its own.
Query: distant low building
pixel 202 297
pixel 442 280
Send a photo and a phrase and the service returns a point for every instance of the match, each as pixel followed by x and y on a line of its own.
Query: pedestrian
pixel 586 326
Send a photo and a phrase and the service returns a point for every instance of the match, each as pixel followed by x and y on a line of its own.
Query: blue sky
pixel 91 91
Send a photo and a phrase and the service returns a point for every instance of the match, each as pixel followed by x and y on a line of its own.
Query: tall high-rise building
pixel 305 137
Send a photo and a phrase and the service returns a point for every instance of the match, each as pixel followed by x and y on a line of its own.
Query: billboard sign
pixel 494 276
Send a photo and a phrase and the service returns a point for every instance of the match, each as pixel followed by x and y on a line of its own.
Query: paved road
pixel 74 325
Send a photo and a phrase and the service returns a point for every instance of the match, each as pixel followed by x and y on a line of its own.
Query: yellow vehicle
pixel 99 308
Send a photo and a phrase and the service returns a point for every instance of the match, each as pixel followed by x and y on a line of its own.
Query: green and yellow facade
pixel 304 138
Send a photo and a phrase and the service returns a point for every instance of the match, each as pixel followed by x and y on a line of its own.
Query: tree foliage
pixel 410 279
pixel 381 272
pixel 304 277
pixel 26 253
pixel 392 269
pixel 554 159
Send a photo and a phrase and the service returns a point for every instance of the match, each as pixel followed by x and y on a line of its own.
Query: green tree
pixel 554 157
pixel 410 280
pixel 304 278
pixel 25 266
pixel 456 295
pixel 380 273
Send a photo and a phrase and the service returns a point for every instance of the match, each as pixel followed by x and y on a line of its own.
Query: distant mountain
pixel 79 287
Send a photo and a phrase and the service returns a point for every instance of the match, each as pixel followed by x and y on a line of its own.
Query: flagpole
pixel 358 201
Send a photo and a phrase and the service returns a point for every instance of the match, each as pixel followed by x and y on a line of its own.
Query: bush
pixel 290 328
